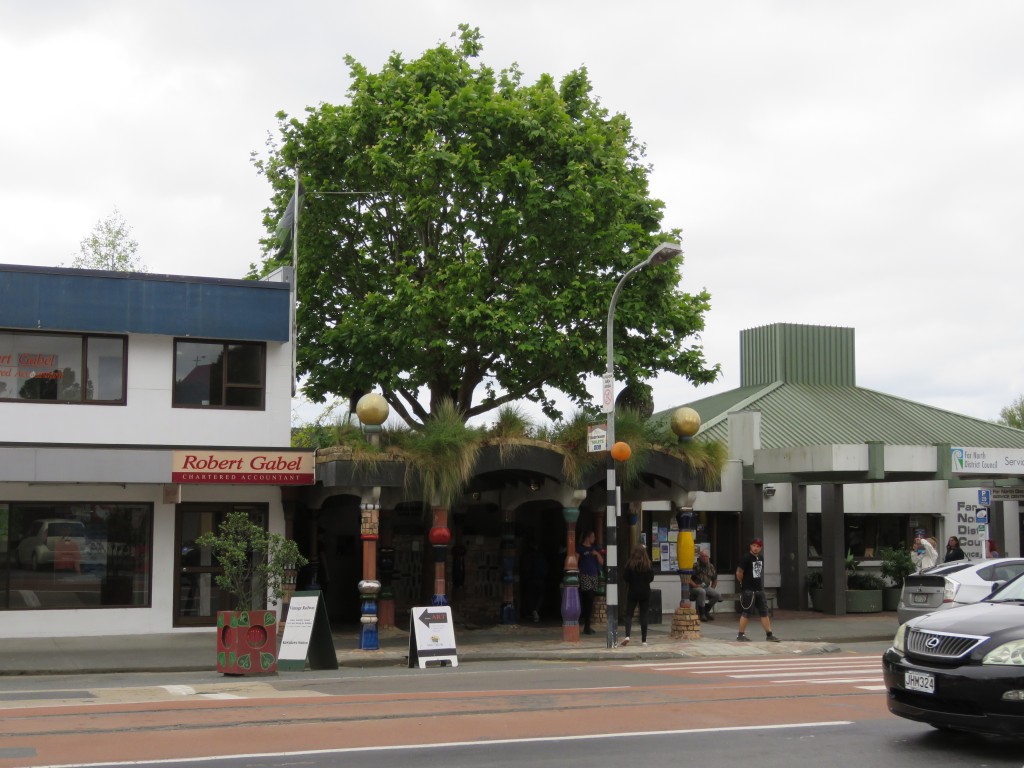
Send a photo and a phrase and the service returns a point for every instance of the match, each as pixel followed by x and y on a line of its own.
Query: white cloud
pixel 853 164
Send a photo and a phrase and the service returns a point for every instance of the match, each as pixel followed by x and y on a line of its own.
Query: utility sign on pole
pixel 597 437
pixel 608 387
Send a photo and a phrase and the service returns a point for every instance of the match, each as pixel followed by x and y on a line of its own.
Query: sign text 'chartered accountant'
pixel 243 467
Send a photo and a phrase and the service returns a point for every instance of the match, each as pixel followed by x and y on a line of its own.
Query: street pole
pixel 659 255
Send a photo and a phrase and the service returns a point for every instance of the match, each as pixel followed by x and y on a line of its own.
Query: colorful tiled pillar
pixel 685 622
pixel 369 587
pixel 508 566
pixel 386 570
pixel 570 579
pixel 440 537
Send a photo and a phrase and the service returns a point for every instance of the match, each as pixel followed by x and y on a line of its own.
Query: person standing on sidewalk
pixel 590 562
pixel 953 550
pixel 750 577
pixel 637 576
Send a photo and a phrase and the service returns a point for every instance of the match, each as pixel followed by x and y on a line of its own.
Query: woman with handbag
pixel 590 562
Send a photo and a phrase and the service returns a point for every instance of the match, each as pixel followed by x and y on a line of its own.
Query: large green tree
pixel 461 236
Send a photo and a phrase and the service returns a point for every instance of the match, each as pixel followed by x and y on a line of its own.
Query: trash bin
pixel 654 609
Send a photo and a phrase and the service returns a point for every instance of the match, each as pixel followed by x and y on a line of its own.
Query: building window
pixel 219 374
pixel 864 536
pixel 62 368
pixel 75 555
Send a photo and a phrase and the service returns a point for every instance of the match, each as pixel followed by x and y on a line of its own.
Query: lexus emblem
pixel 932 643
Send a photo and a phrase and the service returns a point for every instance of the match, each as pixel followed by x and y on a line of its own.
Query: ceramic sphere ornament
pixel 621 451
pixel 685 422
pixel 372 409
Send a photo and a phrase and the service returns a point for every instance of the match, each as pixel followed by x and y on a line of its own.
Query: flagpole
pixel 295 280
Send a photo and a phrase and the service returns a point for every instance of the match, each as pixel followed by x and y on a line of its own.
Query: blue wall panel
pixel 41 298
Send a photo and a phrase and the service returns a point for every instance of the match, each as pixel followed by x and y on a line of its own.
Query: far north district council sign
pixel 274 467
pixel 987 461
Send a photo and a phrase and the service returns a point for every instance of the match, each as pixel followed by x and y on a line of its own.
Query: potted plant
pixel 863 590
pixel 896 566
pixel 255 569
pixel 815 586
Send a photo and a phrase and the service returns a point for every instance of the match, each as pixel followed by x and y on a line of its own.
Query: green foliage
pixel 462 234
pixel 255 562
pixel 897 564
pixel 110 246
pixel 861 580
pixel 815 579
pixel 1013 414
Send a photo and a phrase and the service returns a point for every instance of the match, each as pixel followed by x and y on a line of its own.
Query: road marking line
pixel 180 690
pixel 444 745
pixel 872 687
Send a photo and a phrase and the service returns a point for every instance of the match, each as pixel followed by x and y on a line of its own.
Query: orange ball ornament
pixel 621 451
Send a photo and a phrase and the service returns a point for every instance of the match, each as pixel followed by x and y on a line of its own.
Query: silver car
pixel 952 584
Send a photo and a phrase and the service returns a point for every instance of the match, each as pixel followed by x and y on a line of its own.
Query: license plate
pixel 920 598
pixel 919 681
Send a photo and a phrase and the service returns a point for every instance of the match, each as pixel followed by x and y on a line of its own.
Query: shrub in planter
pixel 256 566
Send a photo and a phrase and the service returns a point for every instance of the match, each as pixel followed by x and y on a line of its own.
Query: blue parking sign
pixel 984 497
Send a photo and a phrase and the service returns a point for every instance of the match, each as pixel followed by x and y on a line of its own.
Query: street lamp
pixel 661 254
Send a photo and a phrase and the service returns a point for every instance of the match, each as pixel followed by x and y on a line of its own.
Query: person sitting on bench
pixel 703 581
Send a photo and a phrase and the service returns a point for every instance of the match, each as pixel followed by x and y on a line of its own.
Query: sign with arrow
pixel 432 637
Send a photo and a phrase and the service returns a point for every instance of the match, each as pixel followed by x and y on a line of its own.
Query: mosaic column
pixel 386 570
pixel 570 579
pixel 440 537
pixel 600 615
pixel 685 623
pixel 369 587
pixel 508 566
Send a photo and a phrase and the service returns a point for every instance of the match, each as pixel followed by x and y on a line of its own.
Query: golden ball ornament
pixel 372 409
pixel 685 422
pixel 621 451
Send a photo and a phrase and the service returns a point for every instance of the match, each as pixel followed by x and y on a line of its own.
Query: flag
pixel 285 233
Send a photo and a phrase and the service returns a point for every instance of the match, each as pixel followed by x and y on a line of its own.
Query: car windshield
pixel 66 529
pixel 1010 592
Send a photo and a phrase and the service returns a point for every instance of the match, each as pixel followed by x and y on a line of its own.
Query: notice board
pixel 432 637
pixel 307 635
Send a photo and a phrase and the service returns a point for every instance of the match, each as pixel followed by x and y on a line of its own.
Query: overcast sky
pixel 856 164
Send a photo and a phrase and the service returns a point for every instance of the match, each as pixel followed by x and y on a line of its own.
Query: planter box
pixel 891 598
pixel 863 601
pixel 246 642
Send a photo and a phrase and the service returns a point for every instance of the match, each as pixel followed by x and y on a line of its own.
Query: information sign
pixel 307 635
pixel 432 637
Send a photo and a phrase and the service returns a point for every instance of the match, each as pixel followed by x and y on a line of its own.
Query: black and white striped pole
pixel 661 254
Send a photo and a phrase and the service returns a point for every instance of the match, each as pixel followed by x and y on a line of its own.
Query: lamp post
pixel 661 254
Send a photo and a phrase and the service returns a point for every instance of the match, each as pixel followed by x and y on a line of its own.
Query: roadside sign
pixel 307 635
pixel 608 392
pixel 432 637
pixel 597 437
pixel 984 497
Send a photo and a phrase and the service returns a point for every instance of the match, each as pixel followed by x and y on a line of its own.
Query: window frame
pixel 225 385
pixel 84 338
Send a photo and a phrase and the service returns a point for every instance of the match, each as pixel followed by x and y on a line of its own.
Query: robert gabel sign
pixel 276 467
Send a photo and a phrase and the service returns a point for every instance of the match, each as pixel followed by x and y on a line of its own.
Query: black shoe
pixel 708 616
pixel 741 638
pixel 772 639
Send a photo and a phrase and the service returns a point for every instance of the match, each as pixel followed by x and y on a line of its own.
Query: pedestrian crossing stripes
pixel 865 672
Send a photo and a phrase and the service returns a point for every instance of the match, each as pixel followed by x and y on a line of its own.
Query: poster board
pixel 307 635
pixel 432 637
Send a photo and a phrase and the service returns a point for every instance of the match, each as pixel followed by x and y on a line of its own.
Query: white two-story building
pixel 136 410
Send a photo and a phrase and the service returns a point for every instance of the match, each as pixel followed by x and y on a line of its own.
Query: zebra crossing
pixel 862 672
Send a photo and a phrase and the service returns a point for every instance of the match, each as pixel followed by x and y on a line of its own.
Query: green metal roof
pixel 803 414
pixel 801 379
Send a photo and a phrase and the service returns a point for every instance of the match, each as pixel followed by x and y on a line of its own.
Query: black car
pixel 962 669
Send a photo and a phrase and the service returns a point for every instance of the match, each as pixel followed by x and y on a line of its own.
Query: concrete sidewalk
pixel 800 631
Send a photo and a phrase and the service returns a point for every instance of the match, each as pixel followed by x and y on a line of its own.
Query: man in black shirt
pixel 750 578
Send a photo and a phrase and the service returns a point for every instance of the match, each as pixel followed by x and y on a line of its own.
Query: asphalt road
pixel 791 711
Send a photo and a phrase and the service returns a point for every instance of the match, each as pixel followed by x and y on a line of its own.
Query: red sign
pixel 243 467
